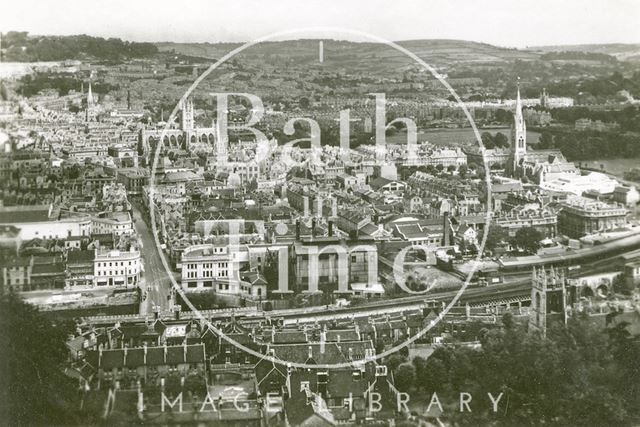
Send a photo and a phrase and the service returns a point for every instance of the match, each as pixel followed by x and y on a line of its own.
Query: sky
pixel 510 23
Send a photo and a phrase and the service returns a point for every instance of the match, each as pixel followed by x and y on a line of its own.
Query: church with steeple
pixel 90 111
pixel 537 166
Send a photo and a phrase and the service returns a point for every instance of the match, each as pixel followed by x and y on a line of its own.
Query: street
pixel 155 283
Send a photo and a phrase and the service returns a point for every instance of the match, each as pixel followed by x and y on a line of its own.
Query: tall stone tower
pixel 220 145
pixel 518 133
pixel 549 297
pixel 187 115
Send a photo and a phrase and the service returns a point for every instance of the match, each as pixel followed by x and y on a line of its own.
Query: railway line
pixel 516 287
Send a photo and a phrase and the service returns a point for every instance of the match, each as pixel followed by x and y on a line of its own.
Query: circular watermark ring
pixel 178 289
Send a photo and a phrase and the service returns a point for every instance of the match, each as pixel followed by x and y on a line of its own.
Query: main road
pixel 155 283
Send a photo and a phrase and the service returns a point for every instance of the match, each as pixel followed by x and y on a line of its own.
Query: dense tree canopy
pixel 495 236
pixel 35 391
pixel 22 47
pixel 578 375
pixel 528 238
pixel 499 140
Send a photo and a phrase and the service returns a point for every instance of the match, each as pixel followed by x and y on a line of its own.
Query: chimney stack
pixel 446 232
pixel 323 340
pixel 330 228
pixel 313 227
pixel 310 352
pixel 297 229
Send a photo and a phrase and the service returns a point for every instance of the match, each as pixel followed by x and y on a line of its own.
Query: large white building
pixel 117 268
pixel 578 184
pixel 38 222
pixel 118 223
pixel 213 267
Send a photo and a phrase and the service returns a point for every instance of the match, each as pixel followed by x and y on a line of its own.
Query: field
pixel 454 137
pixel 616 167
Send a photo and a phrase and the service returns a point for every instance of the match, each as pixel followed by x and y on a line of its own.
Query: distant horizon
pixel 240 42
pixel 502 23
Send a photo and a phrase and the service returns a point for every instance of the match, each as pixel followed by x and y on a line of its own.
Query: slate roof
pixel 80 256
pixel 175 355
pixel 24 214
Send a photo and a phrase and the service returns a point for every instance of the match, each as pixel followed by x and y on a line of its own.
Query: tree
pixel 503 116
pixel 405 377
pixel 487 140
pixel 32 354
pixel 463 170
pixel 422 371
pixel 394 361
pixel 500 140
pixel 439 167
pixel 451 168
pixel 546 140
pixel 577 375
pixel 304 102
pixel 495 236
pixel 528 238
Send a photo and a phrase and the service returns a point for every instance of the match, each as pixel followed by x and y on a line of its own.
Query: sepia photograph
pixel 282 213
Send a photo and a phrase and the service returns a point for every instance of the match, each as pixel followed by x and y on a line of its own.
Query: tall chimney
pixel 297 229
pixel 446 238
pixel 330 228
pixel 323 340
pixel 313 227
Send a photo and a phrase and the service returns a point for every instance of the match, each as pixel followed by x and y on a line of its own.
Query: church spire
pixel 518 112
pixel 519 129
pixel 89 96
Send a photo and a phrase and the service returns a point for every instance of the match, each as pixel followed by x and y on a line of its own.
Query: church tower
pixel 518 133
pixel 220 145
pixel 187 115
pixel 550 298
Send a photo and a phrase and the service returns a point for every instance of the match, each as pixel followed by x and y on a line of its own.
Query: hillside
pixel 622 51
pixel 19 46
pixel 345 53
